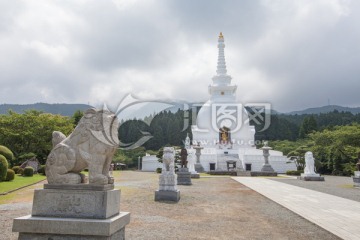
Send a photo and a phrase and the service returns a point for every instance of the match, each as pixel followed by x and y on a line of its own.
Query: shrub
pixel 10 175
pixel 3 167
pixel 16 169
pixel 28 172
pixel 41 170
pixel 349 169
pixel 158 170
pixel 6 153
pixel 294 173
pixel 21 171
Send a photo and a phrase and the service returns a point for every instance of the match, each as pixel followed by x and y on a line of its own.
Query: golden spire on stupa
pixel 221 36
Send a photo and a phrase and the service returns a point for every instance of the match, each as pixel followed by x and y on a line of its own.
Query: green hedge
pixel 16 169
pixel 6 153
pixel 294 173
pixel 3 168
pixel 21 171
pixel 10 175
pixel 41 170
pixel 28 172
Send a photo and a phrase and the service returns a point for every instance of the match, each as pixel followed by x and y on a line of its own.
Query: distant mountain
pixel 326 109
pixel 58 108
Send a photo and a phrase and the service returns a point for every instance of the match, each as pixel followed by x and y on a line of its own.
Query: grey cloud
pixel 148 48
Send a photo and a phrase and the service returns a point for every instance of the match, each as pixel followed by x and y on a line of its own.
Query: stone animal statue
pixel 168 159
pixel 91 145
pixel 183 157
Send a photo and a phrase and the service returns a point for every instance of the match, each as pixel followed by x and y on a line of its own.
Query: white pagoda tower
pixel 222 122
pixel 222 127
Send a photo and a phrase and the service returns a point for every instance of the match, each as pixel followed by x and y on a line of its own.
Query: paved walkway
pixel 337 215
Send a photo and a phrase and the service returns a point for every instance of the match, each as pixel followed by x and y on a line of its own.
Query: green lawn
pixel 20 181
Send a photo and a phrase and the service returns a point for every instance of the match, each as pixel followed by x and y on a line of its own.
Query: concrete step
pixel 243 173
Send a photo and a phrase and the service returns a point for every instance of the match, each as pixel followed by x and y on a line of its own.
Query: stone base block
pixel 75 203
pixel 263 174
pixel 119 235
pixel 184 177
pixel 167 196
pixel 199 168
pixel 357 174
pixel 195 175
pixel 44 228
pixel 316 177
pixel 356 181
pixel 267 168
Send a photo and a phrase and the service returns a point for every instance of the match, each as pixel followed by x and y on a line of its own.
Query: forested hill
pixel 58 108
pixel 326 109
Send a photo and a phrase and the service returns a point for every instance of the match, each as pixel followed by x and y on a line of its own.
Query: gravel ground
pixel 212 208
pixel 334 185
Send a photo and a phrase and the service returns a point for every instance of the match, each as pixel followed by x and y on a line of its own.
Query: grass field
pixel 20 181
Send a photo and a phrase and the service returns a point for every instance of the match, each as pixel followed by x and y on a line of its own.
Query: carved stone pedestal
pixel 184 177
pixel 167 187
pixel 74 212
pixel 167 181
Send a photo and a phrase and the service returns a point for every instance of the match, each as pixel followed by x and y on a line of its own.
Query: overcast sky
pixel 292 54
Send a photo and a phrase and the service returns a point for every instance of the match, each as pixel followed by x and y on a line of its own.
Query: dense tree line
pixel 168 128
pixel 335 150
pixel 294 127
pixel 30 134
pixel 165 128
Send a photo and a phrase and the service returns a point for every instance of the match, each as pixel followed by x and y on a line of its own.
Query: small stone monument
pixel 198 166
pixel 191 164
pixel 167 179
pixel 309 170
pixel 191 158
pixel 67 208
pixel 183 174
pixel 267 168
pixel 356 177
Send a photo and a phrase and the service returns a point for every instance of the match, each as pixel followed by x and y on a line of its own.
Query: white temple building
pixel 222 128
pixel 150 163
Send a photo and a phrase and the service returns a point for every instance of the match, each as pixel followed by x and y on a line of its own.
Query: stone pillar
pixel 266 167
pixel 198 166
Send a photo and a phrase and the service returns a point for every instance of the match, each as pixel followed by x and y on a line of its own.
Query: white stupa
pixel 222 128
